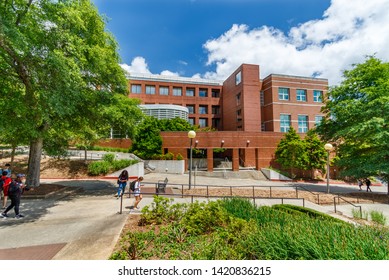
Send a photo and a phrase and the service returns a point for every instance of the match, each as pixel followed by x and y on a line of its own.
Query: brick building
pixel 249 114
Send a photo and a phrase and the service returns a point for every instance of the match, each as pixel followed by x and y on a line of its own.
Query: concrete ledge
pixel 274 175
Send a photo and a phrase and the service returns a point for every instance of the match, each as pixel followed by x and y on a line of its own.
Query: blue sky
pixel 211 38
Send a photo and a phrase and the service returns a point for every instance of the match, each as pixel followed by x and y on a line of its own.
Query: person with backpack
pixel 368 183
pixel 15 190
pixel 122 182
pixel 137 192
pixel 5 181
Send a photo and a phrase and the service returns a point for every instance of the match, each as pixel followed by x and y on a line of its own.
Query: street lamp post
pixel 328 147
pixel 191 135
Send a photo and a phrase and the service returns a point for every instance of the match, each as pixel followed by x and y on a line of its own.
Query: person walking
pixel 368 183
pixel 122 182
pixel 14 193
pixel 137 192
pixel 6 182
pixel 360 184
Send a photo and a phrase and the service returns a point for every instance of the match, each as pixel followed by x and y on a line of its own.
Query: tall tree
pixel 315 153
pixel 290 152
pixel 357 120
pixel 59 71
pixel 148 141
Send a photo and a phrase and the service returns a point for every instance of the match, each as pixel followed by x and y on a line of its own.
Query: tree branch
pixel 22 14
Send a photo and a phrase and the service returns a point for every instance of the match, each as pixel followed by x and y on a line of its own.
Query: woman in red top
pixel 6 182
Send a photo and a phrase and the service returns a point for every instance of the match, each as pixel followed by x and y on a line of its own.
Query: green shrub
pixel 98 168
pixel 378 217
pixel 237 229
pixel 169 156
pixel 122 163
pixel 179 157
pixel 109 158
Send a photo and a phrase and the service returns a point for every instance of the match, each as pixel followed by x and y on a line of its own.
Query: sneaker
pixel 19 216
pixel 4 215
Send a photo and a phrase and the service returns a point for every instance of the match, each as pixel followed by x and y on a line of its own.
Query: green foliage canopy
pixel 305 154
pixel 148 141
pixel 357 120
pixel 59 75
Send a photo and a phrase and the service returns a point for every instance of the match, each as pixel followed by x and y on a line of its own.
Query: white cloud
pixel 138 65
pixel 347 32
pixel 169 73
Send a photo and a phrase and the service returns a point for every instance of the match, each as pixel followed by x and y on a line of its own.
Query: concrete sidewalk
pixel 81 226
pixel 86 225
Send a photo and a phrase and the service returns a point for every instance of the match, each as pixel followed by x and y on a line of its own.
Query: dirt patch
pixel 43 189
pixel 52 168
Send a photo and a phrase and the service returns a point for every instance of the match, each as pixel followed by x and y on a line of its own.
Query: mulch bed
pixel 44 190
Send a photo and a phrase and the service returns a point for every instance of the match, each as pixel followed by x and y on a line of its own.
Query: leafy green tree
pixel 291 152
pixel 148 141
pixel 59 73
pixel 175 124
pixel 357 120
pixel 315 153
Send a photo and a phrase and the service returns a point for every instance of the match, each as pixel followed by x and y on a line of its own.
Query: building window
pixel 284 122
pixel 191 121
pixel 303 123
pixel 191 109
pixel 262 96
pixel 203 122
pixel 238 97
pixel 239 115
pixel 190 92
pixel 216 110
pixel 150 89
pixel 203 109
pixel 216 123
pixel 301 95
pixel 163 90
pixel 283 93
pixel 317 96
pixel 177 91
pixel 318 119
pixel 216 93
pixel 203 92
pixel 238 78
pixel 136 89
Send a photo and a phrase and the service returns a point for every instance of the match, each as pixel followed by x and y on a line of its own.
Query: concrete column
pixel 210 159
pixel 235 159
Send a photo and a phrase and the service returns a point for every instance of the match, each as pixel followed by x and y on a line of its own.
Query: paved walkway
pixel 87 225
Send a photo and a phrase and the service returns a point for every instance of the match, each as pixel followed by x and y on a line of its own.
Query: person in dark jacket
pixel 368 183
pixel 15 190
pixel 122 182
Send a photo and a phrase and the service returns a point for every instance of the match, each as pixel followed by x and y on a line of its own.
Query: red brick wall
pixel 115 143
pixel 265 142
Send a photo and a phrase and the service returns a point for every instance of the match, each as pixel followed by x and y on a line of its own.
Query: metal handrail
pixel 339 197
pixel 192 196
pixel 318 195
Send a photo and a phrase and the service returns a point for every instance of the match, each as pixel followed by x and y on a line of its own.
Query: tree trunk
pixel 13 153
pixel 34 163
pixel 85 154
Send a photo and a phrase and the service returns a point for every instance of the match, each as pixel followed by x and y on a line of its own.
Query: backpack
pixel 132 185
pixel 1 184
pixel 13 188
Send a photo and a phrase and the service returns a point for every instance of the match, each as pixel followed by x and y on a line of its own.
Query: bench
pixel 161 186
